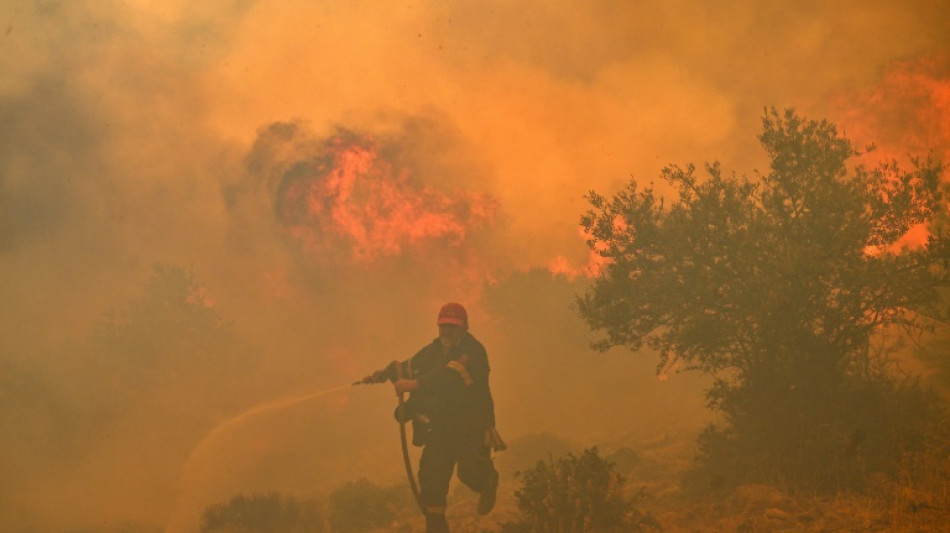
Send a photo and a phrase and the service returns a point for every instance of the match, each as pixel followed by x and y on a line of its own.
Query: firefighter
pixel 452 414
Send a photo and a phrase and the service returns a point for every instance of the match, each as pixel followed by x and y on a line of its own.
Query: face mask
pixel 447 342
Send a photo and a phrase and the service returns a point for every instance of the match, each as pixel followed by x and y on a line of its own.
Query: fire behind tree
pixel 906 113
pixel 790 293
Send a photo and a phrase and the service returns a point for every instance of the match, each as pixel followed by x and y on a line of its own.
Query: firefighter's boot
pixel 486 499
pixel 436 522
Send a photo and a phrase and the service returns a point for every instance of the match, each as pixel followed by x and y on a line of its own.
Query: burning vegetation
pixel 787 291
pixel 215 216
pixel 353 191
pixel 767 286
pixel 908 112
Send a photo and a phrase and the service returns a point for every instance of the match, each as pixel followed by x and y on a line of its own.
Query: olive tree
pixel 790 290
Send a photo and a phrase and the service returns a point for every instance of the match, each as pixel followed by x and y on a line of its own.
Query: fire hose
pixel 413 484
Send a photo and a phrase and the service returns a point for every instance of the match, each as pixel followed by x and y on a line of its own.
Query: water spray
pixel 373 379
pixel 254 411
pixel 244 417
pixel 277 404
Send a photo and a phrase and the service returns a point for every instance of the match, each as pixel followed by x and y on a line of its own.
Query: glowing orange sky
pixel 554 100
pixel 129 131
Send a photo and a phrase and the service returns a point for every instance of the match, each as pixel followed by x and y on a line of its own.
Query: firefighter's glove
pixel 405 385
pixel 382 375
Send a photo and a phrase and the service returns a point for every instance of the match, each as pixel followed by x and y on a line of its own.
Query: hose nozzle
pixel 371 379
pixel 380 376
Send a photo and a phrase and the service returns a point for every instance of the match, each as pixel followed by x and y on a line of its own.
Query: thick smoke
pixel 207 140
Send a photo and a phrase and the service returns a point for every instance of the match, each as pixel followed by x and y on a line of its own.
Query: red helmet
pixel 453 313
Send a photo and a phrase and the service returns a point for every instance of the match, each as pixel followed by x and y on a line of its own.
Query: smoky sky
pixel 147 132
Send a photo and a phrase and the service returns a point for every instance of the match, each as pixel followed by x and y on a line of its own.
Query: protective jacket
pixel 453 394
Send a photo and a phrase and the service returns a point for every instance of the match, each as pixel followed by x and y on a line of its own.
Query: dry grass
pixel 918 501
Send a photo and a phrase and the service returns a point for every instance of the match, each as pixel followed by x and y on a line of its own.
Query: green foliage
pixel 790 291
pixel 362 505
pixel 836 439
pixel 574 494
pixel 268 513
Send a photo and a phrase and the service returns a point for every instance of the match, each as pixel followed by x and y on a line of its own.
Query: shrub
pixel 866 429
pixel 574 494
pixel 362 505
pixel 268 513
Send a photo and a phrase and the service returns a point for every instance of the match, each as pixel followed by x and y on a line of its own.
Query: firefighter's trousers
pixel 443 451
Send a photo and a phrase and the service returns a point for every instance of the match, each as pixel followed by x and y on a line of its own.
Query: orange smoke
pixel 348 195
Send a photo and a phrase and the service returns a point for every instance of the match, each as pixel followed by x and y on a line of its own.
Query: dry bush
pixel 575 494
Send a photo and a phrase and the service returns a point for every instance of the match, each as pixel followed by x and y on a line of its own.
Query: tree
pixel 788 290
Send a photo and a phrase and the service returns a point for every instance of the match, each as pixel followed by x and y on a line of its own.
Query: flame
pixel 907 113
pixel 596 258
pixel 349 195
pixel 562 266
